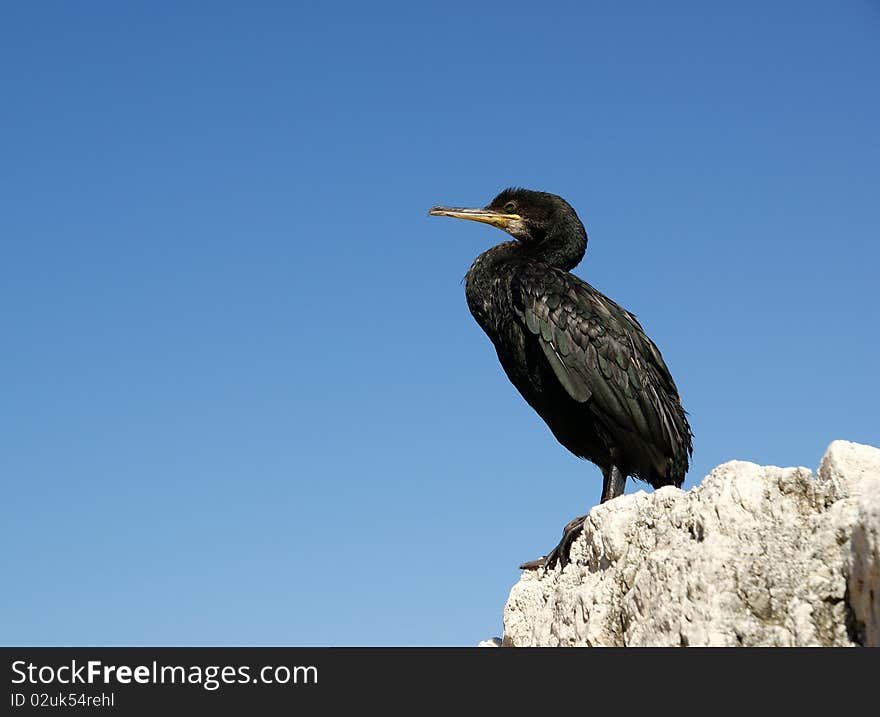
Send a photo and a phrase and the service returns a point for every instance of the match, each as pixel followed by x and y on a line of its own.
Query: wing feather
pixel 600 354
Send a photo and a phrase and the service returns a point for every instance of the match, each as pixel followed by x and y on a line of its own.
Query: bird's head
pixel 526 215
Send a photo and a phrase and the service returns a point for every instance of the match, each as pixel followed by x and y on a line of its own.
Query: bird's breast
pixel 487 300
pixel 487 287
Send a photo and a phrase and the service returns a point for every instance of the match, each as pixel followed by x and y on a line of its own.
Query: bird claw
pixel 560 553
pixel 534 564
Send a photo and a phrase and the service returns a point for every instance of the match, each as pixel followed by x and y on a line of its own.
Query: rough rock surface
pixel 755 555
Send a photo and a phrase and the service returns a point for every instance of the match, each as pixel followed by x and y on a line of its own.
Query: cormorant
pixel 580 360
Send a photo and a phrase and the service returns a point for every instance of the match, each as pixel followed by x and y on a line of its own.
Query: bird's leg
pixel 613 483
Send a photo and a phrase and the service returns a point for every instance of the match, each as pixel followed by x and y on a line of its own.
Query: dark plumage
pixel 580 360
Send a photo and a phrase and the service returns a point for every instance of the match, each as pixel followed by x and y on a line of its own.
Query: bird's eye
pixel 510 207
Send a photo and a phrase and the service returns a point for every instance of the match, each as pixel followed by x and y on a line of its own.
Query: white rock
pixel 851 468
pixel 755 555
pixel 491 642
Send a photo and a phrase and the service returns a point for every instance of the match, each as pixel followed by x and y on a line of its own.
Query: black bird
pixel 580 360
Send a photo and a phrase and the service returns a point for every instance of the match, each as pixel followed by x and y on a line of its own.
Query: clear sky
pixel 243 399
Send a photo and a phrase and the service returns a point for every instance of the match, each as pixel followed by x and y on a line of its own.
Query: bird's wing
pixel 599 353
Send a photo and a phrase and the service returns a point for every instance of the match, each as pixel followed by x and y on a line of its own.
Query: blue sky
pixel 244 402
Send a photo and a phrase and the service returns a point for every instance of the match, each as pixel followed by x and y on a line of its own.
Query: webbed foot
pixel 560 553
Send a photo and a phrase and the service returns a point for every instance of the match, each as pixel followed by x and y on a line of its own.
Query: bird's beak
pixel 487 216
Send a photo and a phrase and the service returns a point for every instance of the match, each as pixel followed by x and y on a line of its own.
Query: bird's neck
pixel 563 246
